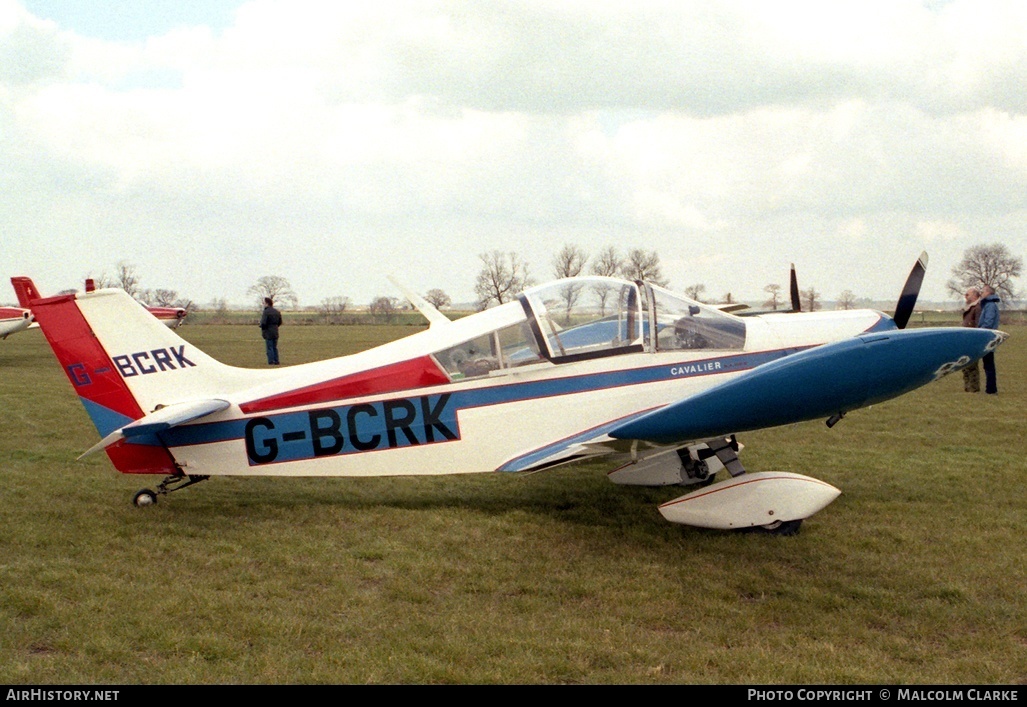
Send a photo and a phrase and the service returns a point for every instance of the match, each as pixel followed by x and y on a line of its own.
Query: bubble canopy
pixel 600 316
pixel 592 317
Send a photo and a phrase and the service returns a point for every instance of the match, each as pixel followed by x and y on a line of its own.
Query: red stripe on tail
pixel 96 379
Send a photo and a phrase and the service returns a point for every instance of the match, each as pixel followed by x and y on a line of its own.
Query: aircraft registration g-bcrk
pixel 578 368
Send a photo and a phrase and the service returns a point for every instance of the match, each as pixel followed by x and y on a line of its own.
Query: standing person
pixel 270 320
pixel 989 320
pixel 971 315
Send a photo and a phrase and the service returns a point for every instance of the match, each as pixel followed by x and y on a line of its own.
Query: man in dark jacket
pixel 270 320
pixel 989 320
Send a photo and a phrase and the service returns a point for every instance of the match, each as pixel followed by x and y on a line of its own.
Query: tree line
pixel 504 275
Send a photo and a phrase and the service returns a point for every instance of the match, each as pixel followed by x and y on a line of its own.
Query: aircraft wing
pixel 822 382
pixel 733 307
pixel 593 442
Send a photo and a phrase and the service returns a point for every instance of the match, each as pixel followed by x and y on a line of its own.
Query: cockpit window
pixel 684 324
pixel 504 348
pixel 585 317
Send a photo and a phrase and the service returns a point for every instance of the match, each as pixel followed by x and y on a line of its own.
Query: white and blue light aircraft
pixel 576 369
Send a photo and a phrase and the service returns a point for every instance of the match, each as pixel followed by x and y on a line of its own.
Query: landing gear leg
pixel 174 482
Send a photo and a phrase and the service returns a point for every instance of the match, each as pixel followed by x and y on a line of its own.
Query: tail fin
pixel 125 364
pixel 26 291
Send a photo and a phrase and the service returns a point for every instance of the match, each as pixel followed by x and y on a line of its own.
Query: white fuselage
pixel 509 419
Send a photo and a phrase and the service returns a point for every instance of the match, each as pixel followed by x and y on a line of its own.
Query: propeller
pixel 794 290
pixel 907 300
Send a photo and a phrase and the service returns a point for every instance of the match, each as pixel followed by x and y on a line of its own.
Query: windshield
pixel 682 323
pixel 583 317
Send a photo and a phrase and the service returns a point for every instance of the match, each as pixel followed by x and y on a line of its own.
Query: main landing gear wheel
pixel 783 527
pixel 144 497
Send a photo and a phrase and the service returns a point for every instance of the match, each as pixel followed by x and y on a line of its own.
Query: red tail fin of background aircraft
pixel 25 290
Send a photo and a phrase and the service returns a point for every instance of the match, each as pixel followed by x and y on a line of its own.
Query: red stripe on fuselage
pixel 406 375
pixel 12 313
pixel 85 362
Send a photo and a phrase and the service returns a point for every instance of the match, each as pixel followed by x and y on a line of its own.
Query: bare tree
pixel 101 281
pixel 277 288
pixel 774 299
pixel 727 299
pixel 569 262
pixel 383 309
pixel 332 308
pixel 126 278
pixel 502 277
pixel 643 265
pixel 811 299
pixel 846 300
pixel 220 307
pixel 695 291
pixel 438 298
pixel 987 265
pixel 158 297
pixel 606 264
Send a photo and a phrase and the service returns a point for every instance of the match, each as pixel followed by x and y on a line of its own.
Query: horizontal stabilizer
pixel 160 420
pixel 816 383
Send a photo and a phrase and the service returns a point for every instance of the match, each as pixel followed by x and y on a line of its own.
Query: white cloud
pixel 728 136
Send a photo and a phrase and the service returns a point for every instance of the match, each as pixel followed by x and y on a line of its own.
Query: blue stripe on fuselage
pixel 423 419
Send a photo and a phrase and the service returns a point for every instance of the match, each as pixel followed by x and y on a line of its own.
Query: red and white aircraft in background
pixel 14 319
pixel 579 368
pixel 26 291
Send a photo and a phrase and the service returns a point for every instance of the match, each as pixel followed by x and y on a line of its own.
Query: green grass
pixel 914 575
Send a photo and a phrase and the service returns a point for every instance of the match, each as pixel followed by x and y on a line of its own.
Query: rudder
pixel 96 381
pixel 124 364
pixel 26 291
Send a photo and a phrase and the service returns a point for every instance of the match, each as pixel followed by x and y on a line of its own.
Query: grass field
pixel 914 575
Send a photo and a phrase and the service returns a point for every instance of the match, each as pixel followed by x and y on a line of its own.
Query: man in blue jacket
pixel 989 320
pixel 270 320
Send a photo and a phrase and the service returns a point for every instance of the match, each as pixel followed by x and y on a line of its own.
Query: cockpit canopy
pixel 586 316
pixel 592 317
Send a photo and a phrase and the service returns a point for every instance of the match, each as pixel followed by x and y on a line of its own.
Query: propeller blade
pixel 911 290
pixel 794 289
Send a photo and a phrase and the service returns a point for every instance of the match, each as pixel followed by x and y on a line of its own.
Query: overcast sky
pixel 208 143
